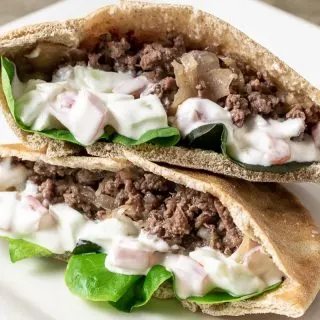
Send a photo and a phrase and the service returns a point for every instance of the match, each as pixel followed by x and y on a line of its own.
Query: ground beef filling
pixel 179 215
pixel 250 93
pixel 152 60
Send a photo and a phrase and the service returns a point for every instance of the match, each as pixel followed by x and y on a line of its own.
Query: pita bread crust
pixel 148 20
pixel 266 212
pixel 90 163
pixel 205 160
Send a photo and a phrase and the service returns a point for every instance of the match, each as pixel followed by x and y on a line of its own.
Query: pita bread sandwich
pixel 173 84
pixel 133 230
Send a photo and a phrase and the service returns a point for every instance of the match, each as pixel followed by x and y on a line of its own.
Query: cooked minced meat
pixel 179 215
pixel 256 94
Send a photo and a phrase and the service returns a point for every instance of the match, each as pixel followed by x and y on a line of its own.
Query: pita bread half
pixel 153 22
pixel 267 213
pixel 276 219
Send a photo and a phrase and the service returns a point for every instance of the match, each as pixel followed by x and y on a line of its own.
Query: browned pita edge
pixel 90 163
pixel 204 160
pixel 148 20
pixel 265 212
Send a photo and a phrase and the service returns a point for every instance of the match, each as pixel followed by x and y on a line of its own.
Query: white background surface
pixel 35 290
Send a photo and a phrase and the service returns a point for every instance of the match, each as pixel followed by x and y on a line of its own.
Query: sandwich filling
pixel 139 220
pixel 129 92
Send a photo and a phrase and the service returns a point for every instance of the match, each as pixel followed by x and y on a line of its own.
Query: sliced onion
pixel 200 67
pixel 218 81
pixel 232 64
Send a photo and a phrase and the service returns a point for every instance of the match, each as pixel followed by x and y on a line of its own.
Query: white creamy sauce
pixel 80 97
pixel 137 116
pixel 191 279
pixel 259 141
pixel 226 273
pixel 131 250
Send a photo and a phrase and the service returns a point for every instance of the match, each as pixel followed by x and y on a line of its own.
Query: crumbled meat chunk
pixel 81 198
pixel 88 177
pixel 205 218
pixel 172 228
pixel 47 189
pixel 296 112
pixel 173 212
pixel 118 49
pixel 310 114
pixel 166 89
pixel 259 96
pixel 44 170
pixel 125 54
pixel 158 55
pixel 262 103
pixel 52 190
pixel 238 107
pixel 185 212
pixel 152 182
pixel 260 82
pixel 114 54
pixel 232 237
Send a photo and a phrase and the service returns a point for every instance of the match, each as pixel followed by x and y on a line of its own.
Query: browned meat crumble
pixel 255 94
pixel 179 215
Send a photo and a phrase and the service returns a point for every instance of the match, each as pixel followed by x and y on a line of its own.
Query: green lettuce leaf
pixel 88 278
pixel 20 249
pixel 84 246
pixel 142 291
pixel 214 137
pixel 206 137
pixel 7 74
pixel 164 137
pixel 219 296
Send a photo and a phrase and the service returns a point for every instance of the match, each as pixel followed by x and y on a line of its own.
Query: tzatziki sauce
pixel 258 142
pixel 81 97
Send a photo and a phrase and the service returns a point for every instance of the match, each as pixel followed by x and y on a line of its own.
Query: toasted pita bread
pixel 266 212
pixel 152 22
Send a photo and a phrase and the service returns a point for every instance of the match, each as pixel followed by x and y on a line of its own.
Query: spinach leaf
pixel 84 246
pixel 87 277
pixel 7 74
pixel 214 137
pixel 164 136
pixel 219 296
pixel 140 293
pixel 206 137
pixel 20 249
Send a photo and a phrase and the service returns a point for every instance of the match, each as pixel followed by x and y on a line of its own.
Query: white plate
pixel 35 290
